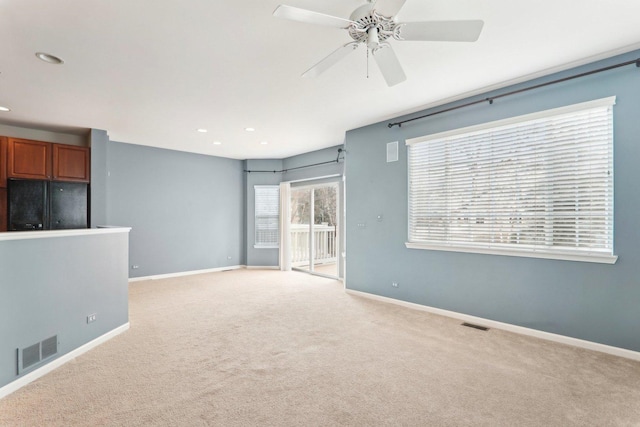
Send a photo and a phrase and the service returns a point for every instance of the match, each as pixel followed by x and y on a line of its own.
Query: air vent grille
pixel 392 151
pixel 35 354
pixel 471 325
pixel 49 347
pixel 30 356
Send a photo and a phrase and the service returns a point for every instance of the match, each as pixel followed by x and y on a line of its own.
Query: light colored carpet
pixel 267 348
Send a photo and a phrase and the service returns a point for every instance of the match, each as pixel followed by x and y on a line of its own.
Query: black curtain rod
pixel 337 160
pixel 492 98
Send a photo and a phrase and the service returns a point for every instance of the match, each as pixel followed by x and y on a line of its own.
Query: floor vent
pixel 37 353
pixel 471 325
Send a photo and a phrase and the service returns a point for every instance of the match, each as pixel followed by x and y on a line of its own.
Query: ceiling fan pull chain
pixel 367 62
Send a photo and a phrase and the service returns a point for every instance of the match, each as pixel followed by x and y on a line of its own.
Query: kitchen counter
pixel 23 235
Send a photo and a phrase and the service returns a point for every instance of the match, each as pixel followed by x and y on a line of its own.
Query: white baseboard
pixel 589 345
pixel 40 372
pixel 263 267
pixel 186 273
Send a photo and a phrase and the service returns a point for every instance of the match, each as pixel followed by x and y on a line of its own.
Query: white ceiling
pixel 151 72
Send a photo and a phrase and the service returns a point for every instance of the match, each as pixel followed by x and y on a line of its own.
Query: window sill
pixel 265 247
pixel 597 258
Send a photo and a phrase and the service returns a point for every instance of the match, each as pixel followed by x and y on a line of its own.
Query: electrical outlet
pixel 91 318
pixel 394 284
pixel 135 267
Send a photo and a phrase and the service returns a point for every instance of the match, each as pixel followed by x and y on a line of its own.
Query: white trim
pixel 562 339
pixel 24 235
pixel 284 252
pixel 185 273
pixel 262 267
pixel 335 175
pixel 603 102
pixel 263 201
pixel 597 258
pixel 315 273
pixel 56 363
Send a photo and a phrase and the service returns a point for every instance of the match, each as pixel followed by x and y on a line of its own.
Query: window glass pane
pixel 300 226
pixel 324 230
pixel 267 208
pixel 545 183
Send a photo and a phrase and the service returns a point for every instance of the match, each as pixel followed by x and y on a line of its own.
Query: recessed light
pixel 217 143
pixel 51 59
pixel 250 129
pixel 4 109
pixel 264 142
pixel 202 130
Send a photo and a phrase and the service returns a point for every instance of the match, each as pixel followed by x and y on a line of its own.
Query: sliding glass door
pixel 314 229
pixel 299 229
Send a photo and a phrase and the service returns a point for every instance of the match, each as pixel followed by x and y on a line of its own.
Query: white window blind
pixel 267 209
pixel 535 185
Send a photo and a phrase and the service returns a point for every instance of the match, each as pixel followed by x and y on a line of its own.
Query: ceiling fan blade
pixel 331 60
pixel 389 7
pixel 451 31
pixel 309 16
pixel 389 65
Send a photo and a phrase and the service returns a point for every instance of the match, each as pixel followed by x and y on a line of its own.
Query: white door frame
pixel 338 240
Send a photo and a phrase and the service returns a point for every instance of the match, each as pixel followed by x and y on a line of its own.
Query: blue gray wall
pixel 80 138
pixel 99 141
pixel 50 285
pixel 186 210
pixel 326 170
pixel 320 156
pixel 594 302
pixel 259 257
pixel 264 257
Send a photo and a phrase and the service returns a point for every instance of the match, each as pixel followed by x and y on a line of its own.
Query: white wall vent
pixel 392 151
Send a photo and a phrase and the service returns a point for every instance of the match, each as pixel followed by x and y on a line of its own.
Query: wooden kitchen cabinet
pixel 71 163
pixel 28 159
pixel 3 162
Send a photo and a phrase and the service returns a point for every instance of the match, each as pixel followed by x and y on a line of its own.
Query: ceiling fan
pixel 372 24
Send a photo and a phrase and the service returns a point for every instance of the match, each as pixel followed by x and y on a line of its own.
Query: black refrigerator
pixel 47 205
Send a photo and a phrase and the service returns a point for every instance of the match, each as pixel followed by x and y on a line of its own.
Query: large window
pixel 538 185
pixel 267 209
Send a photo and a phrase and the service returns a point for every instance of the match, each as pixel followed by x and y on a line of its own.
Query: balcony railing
pixel 324 244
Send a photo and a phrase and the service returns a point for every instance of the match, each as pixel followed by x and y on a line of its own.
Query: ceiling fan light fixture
pixel 373 41
pixel 48 58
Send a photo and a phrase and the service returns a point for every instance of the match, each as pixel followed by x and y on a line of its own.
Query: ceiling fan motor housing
pixel 359 30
